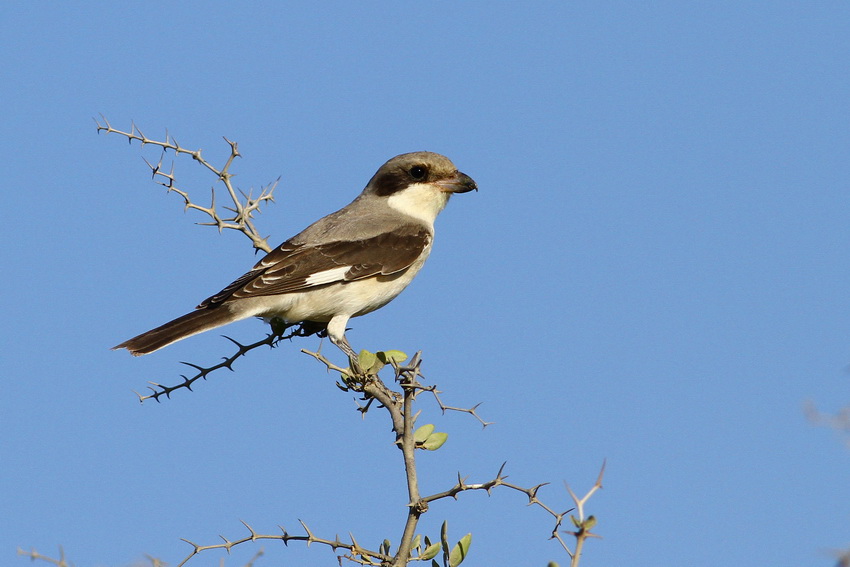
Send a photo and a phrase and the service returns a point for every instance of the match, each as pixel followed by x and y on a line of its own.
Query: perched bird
pixel 344 265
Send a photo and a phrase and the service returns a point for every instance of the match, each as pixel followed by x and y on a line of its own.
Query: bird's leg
pixel 344 346
pixel 336 333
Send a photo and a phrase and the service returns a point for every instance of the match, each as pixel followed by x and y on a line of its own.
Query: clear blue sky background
pixel 655 272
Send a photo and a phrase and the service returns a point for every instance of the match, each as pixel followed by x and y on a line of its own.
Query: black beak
pixel 458 183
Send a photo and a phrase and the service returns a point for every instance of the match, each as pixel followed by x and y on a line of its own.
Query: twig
pixel 278 334
pixel 243 207
pixel 354 553
pixel 444 408
pixel 36 556
pixel 583 524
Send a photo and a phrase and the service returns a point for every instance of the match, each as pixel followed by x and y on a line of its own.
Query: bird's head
pixel 419 184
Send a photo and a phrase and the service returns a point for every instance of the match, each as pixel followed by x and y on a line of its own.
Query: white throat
pixel 422 201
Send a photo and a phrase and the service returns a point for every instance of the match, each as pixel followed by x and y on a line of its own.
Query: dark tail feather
pixel 180 328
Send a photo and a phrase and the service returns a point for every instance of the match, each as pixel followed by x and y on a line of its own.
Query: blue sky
pixel 654 272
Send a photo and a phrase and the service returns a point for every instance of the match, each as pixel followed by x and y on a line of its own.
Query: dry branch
pixel 244 205
pixel 279 333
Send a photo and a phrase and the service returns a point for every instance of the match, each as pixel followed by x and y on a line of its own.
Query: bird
pixel 346 264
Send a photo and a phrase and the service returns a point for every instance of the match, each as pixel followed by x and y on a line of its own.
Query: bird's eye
pixel 418 172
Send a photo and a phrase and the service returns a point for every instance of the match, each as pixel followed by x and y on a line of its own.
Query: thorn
pixel 306 529
pixel 250 529
pixel 234 341
pixel 572 494
pixel 601 473
pixel 227 544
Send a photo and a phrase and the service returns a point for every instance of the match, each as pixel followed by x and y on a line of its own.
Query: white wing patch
pixel 327 276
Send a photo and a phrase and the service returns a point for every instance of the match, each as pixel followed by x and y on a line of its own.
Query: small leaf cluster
pixel 451 556
pixel 584 526
pixel 373 362
pixel 428 439
pixel 368 364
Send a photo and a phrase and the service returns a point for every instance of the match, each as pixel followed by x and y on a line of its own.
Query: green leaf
pixel 552 564
pixel 422 433
pixel 589 523
pixel 434 563
pixel 431 552
pixel 415 543
pixel 576 521
pixel 366 359
pixel 390 356
pixel 435 441
pixel 460 550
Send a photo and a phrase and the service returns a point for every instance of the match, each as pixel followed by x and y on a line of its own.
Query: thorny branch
pixel 359 382
pixel 354 551
pixel 154 561
pixel 399 406
pixel 413 550
pixel 444 408
pixel 583 524
pixel 279 333
pixel 244 204
pixel 36 556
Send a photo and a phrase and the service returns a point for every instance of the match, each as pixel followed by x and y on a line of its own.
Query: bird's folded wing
pixel 296 267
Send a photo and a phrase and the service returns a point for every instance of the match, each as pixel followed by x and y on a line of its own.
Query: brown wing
pixel 296 267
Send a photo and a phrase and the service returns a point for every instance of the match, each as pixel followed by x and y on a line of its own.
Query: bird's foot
pixel 345 347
